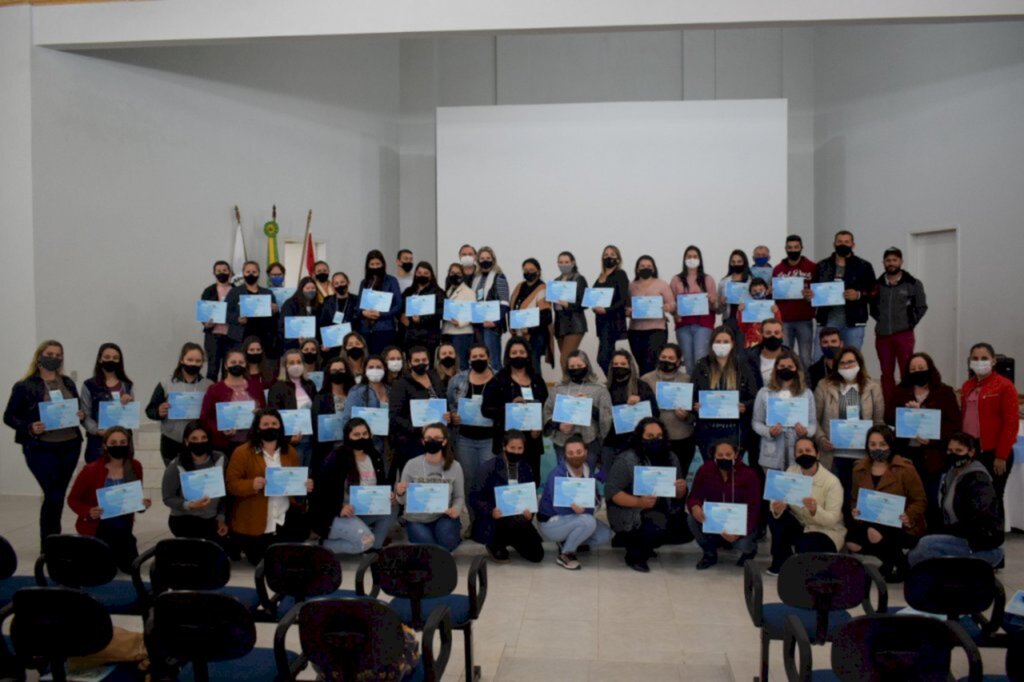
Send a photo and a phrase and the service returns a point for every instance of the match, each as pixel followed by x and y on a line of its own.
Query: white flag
pixel 238 257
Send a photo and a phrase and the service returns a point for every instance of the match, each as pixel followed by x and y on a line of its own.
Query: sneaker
pixel 499 555
pixel 639 566
pixel 707 561
pixel 773 571
pixel 568 561
pixel 744 558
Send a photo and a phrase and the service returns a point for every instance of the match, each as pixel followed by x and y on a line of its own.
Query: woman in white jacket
pixel 779 434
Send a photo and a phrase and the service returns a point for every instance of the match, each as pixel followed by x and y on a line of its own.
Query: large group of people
pixel 381 356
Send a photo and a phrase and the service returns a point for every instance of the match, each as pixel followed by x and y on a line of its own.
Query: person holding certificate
pixel 644 522
pixel 374 393
pixel 394 362
pixel 798 315
pixel 611 321
pixel 761 358
pixel 419 384
pixel 739 273
pixel 263 327
pixel 883 471
pixel 378 327
pixel 303 303
pixel 330 400
pixel 322 276
pixel 294 391
pixel 493 529
pixel 436 525
pixel 679 420
pixel 859 289
pixel 215 336
pixel 579 381
pixel 528 294
pixel 116 465
pixel 234 387
pixel 783 411
pixel 475 442
pixel 624 388
pixel 257 368
pixel 490 284
pixel 570 321
pixel 750 332
pixel 338 308
pixel 355 355
pixel 725 479
pixel 459 332
pixel 446 363
pixel 337 512
pixel 188 387
pixel 256 520
pixel 423 329
pixel 648 334
pixel 693 332
pixel 107 383
pixel 722 370
pixel 51 454
pixel 203 517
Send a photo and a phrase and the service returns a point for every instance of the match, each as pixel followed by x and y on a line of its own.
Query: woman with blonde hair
pixel 490 284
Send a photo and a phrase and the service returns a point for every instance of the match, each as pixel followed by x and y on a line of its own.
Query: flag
pixel 238 257
pixel 308 248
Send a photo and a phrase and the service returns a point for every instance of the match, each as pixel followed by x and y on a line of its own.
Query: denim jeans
pixel 800 334
pixel 53 465
pixel 444 531
pixel 462 343
pixel 304 449
pixel 694 340
pixel 492 339
pixel 712 542
pixel 471 453
pixel 356 534
pixel 932 546
pixel 573 530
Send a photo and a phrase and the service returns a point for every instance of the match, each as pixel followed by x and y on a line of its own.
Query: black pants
pixel 217 347
pixel 889 550
pixel 188 526
pixel 788 534
pixel 685 450
pixel 254 546
pixel 520 534
pixel 122 541
pixel 657 528
pixel 52 465
pixel 169 449
pixel 645 344
pixel 988 458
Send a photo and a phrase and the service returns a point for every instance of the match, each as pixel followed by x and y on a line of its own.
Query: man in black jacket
pixel 860 286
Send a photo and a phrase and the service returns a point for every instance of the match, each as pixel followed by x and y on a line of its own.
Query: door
pixel 934 258
pixel 293 260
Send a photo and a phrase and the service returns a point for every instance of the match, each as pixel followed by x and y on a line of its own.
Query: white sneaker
pixel 569 561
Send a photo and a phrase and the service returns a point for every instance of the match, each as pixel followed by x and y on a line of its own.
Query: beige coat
pixel 827 491
pixel 826 401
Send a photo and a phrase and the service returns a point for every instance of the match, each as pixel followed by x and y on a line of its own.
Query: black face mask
pixel 447 362
pixel 922 378
pixel 829 352
pixel 360 444
pixel 236 370
pixel 433 446
pixel 620 374
pixel 271 434
pixel 879 455
pixel 375 272
pixel 794 256
pixel 191 370
pixel 200 449
pixel 222 277
pixel 355 352
pixel 486 265
pixel 322 277
pixel 645 273
pixel 785 374
pixel 513 457
pixel 406 267
pixel 50 364
pixel 653 447
pixel 735 269
pixel 724 464
pixel 421 281
pixel 254 358
pixel 667 366
pixel 109 365
pixel 844 250
pixel 956 461
pixel 519 363
pixel 340 378
pixel 119 451
pixel 309 358
pixel 579 375
pixel 478 365
pixel 806 461
pixel 610 262
pixel 421 368
pixel 771 343
pixel 454 280
pixel 342 290
pixel 251 279
pixel 530 277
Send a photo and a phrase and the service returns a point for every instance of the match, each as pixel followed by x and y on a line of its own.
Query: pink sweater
pixel 651 287
pixel 691 282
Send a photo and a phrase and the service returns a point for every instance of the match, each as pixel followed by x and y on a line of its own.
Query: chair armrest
pixel 434 664
pixel 140 587
pixel 5 613
pixel 796 651
pixel 477 586
pixel 880 587
pixel 753 593
pixel 998 610
pixel 40 571
pixel 285 670
pixel 364 566
pixel 970 651
pixel 268 605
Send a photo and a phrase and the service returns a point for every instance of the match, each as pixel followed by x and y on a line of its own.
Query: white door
pixel 934 259
pixel 293 260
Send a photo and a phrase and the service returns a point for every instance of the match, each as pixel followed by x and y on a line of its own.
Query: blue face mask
pixel 761 261
pixel 277 280
pixel 757 295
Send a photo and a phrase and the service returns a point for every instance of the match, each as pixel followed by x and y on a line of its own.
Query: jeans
pixel 304 448
pixel 356 534
pixel 694 339
pixel 800 333
pixel 645 344
pixel 893 350
pixel 444 531
pixel 470 454
pixel 462 343
pixel 217 347
pixel 573 530
pixel 988 458
pixel 492 339
pixel 712 542
pixel 932 546
pixel 53 465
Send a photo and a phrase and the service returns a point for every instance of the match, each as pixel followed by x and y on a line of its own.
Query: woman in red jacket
pixel 236 386
pixel 116 465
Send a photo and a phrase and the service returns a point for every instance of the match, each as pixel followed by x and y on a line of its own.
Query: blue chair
pixel 87 563
pixel 296 572
pixel 10 583
pixel 422 578
pixel 342 637
pixel 882 648
pixel 816 588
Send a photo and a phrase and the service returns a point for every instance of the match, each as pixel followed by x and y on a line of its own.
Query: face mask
pixel 578 375
pixel 610 262
pixel 785 374
pixel 759 295
pixel 309 295
pixel 806 461
pixel 222 277
pixel 956 460
pixel 772 342
pixel 467 261
pixel 654 446
pixel 395 365
pixel 794 255
pixel 878 455
pixel 271 434
pixel 254 358
pixel 422 280
pixel 645 273
pixel 406 267
pixel 829 352
pixel 518 363
pixel 981 367
pixel 922 378
pixel 341 290
pixel 199 449
pixel 277 280
pixel 844 250
pixel 721 350
pixel 447 362
pixel 360 444
pixel 565 269
pixel 513 457
pixel 309 358
pixel 486 265
pixel 433 446
pixel 849 373
pixel 530 277
pixel 191 370
pixel 118 451
pixel 295 371
pixel 735 269
pixel 322 277
pixel 692 263
pixel 252 279
pixel 375 375
pixel 236 370
pixel 724 464
pixel 109 365
pixel 620 374
pixel 339 378
pixel 420 368
pixel 478 366
pixel 667 366
pixel 454 280
pixel 761 261
pixel 375 272
pixel 355 352
pixel 50 364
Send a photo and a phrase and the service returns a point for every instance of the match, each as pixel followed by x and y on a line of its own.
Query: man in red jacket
pixel 797 315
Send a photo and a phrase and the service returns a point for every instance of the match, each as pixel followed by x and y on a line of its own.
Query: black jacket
pixel 620 395
pixel 615 314
pixel 295 308
pixel 426 332
pixel 265 328
pixel 282 395
pixel 332 480
pixel 752 356
pixel 860 276
pixel 747 384
pixel 976 505
pixel 404 390
pixel 501 390
pixel 23 406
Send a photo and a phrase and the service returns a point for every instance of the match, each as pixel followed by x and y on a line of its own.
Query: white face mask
pixel 467 261
pixel 295 371
pixel 721 349
pixel 849 373
pixel 375 375
pixel 394 365
pixel 981 367
pixel 692 263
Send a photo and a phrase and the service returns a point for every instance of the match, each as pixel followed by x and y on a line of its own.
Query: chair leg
pixel 472 671
pixel 764 655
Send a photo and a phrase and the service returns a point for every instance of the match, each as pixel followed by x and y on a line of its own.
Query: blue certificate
pixel 789 488
pixel 59 414
pixel 719 404
pixel 647 307
pixel 370 500
pixel 597 297
pixel 235 416
pixel 209 482
pixel 626 417
pixel 427 411
pixel 826 294
pixel 286 481
pixel 334 335
pixel 724 517
pixel 317 378
pixel 911 423
pixel 184 405
pixel 674 395
pixel 469 412
pixel 120 500
pixel 755 311
pixel 254 305
pixel 656 481
pixel 420 306
pixel 516 498
pixel 788 411
pixel 688 305
pixel 329 427
pixel 561 290
pixel 300 327
pixel 282 294
pixel 113 413
pixel 1015 605
pixel 211 311
pixel 572 410
pixel 486 311
pixel 522 416
pixel 788 288
pixel 736 292
pixel 376 418
pixel 849 434
pixel 371 299
pixel 579 491
pixel 881 508
pixel 426 498
pixel 527 318
pixel 297 422
pixel 458 311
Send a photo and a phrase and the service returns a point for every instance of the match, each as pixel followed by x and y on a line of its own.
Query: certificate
pixel 881 508
pixel 420 306
pixel 300 327
pixel 120 500
pixel 688 305
pixel 723 517
pixel 657 481
pixel 297 422
pixel 788 411
pixel 911 423
pixel 282 294
pixel 527 318
pixel 522 416
pixel 371 299
pixel 780 486
pixel 561 290
pixel 329 427
pixel 376 418
pixel 426 498
pixel 736 292
pixel 849 434
pixel 211 311
pixel 185 405
pixel 113 413
pixel 626 417
pixel 647 307
pixel 573 410
pixel 458 311
pixel 598 297
pixel 674 395
pixel 486 311
pixel 286 481
pixel 579 491
pixel 755 311
pixel 209 482
pixel 59 414
pixel 334 335
pixel 254 305
pixel 235 416
pixel 826 294
pixel 719 404
pixel 427 411
pixel 516 498
pixel 469 412
pixel 788 288
pixel 338 318
pixel 1015 605
pixel 317 378
pixel 370 500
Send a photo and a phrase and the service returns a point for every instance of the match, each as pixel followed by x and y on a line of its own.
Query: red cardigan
pixel 997 412
pixel 222 393
pixel 82 497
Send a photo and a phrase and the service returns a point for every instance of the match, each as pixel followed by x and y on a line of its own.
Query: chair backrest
pixel 415 571
pixel 8 559
pixel 55 623
pixel 189 564
pixel 201 626
pixel 823 580
pixel 951 586
pixel 78 560
pixel 1015 657
pixel 301 571
pixel 347 636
